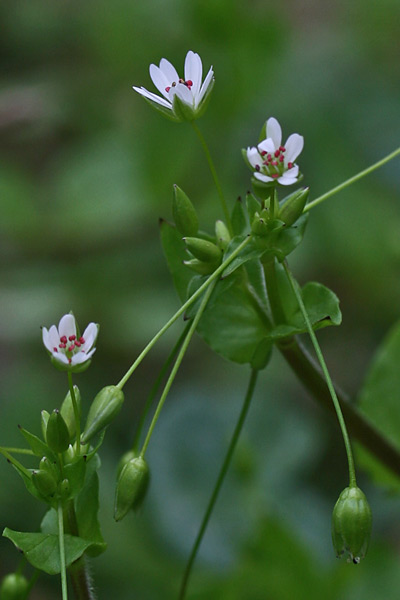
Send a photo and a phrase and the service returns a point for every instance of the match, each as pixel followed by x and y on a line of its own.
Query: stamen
pixel 72 338
pixel 274 175
pixel 63 339
pixel 282 148
pixel 81 339
pixel 276 153
pixel 167 89
pixel 290 165
pixel 77 344
pixel 281 158
pixel 274 163
pixel 257 167
pixel 55 349
pixel 62 345
pixel 72 346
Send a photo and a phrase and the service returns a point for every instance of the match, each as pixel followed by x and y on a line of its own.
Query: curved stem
pixel 76 414
pixel 350 459
pixel 219 482
pixel 176 366
pixel 156 385
pixel 182 309
pixel 214 175
pixel 62 552
pixel 353 179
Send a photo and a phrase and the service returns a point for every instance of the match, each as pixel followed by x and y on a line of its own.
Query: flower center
pixel 274 163
pixel 188 84
pixel 69 346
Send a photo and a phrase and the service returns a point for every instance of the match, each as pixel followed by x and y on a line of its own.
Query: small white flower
pixel 67 349
pixel 183 98
pixel 271 160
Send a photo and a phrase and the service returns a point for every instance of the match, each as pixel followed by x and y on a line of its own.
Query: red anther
pixel 189 83
pixel 257 167
pixel 276 153
pixel 78 344
pixel 167 89
pixel 63 339
pixel 274 175
pixel 62 345
pixel 181 80
pixel 290 165
pixel 70 360
pixel 266 163
pixel 274 163
pixel 282 148
pixel 281 159
pixel 72 346
pixel 55 349
pixel 82 341
pixel 269 157
pixel 263 152
pixel 72 338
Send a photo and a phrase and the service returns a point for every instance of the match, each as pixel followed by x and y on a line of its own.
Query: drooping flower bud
pixel 14 587
pixel 44 482
pixel 203 250
pixel 184 213
pixel 222 234
pixel 131 487
pixel 67 410
pixel 104 409
pixel 351 524
pixel 57 434
pixel 293 206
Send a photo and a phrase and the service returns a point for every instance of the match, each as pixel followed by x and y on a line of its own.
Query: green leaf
pixel 289 238
pixel 38 447
pixel 42 550
pixel 75 473
pixel 239 218
pixel 175 252
pixel 249 252
pixel 379 400
pixel 87 507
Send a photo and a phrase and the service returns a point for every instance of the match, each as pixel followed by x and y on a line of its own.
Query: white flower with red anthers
pixel 271 160
pixel 69 350
pixel 183 98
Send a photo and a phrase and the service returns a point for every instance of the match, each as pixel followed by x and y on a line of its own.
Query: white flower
pixel 271 160
pixel 66 347
pixel 183 98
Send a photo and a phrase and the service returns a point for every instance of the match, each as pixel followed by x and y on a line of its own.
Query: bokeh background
pixel 87 169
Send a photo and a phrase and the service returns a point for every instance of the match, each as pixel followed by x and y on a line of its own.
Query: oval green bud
pixel 222 234
pixel 43 421
pixel 44 482
pixel 184 213
pixel 131 487
pixel 14 587
pixel 125 458
pixel 47 465
pixel 57 434
pixel 292 207
pixel 67 410
pixel 199 266
pixel 204 250
pixel 104 409
pixel 64 488
pixel 351 524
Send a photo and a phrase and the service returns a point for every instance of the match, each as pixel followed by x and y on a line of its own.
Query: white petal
pixel 169 71
pixel 46 339
pixel 267 146
pixel 204 87
pixel 54 338
pixel 153 97
pixel 160 80
pixel 81 357
pixel 294 145
pixel 253 157
pixel 274 131
pixel 262 177
pixel 293 172
pixel 183 93
pixel 287 179
pixel 67 326
pixel 90 335
pixel 193 71
pixel 61 358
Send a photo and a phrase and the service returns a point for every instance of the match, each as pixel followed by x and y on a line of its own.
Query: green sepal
pixel 351 524
pixel 239 218
pixel 131 488
pixel 67 411
pixel 14 586
pixel 73 369
pixel 105 407
pixel 57 434
pixel 166 112
pixel 293 205
pixel 50 466
pixel 183 111
pixel 200 110
pixel 125 458
pixel 199 266
pixel 184 213
pixel 203 250
pixel 253 206
pixel 222 235
pixel 38 447
pixel 262 189
pixel 44 419
pixel 44 482
pixel 74 472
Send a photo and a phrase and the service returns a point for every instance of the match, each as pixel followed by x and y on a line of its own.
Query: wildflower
pixel 272 161
pixel 184 99
pixel 68 349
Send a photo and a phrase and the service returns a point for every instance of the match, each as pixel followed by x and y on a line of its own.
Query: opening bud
pixel 104 409
pixel 351 524
pixel 184 213
pixel 132 485
pixel 14 587
pixel 57 434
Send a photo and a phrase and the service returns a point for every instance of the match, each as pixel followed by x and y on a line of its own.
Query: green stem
pixel 182 309
pixel 353 179
pixel 219 482
pixel 156 385
pixel 78 571
pixel 176 366
pixel 214 175
pixel 294 286
pixel 20 467
pixel 17 450
pixel 62 552
pixel 273 291
pixel 76 414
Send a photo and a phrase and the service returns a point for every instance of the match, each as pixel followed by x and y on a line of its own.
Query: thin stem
pixel 219 482
pixel 20 467
pixel 182 309
pixel 214 175
pixel 78 571
pixel 156 385
pixel 62 552
pixel 273 291
pixel 176 366
pixel 293 283
pixel 76 414
pixel 17 450
pixel 353 179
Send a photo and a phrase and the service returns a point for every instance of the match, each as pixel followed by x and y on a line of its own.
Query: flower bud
pixel 351 524
pixel 199 266
pixel 293 206
pixel 222 234
pixel 57 434
pixel 67 410
pixel 125 458
pixel 104 409
pixel 203 250
pixel 131 487
pixel 14 587
pixel 184 213
pixel 44 482
pixel 49 466
pixel 64 488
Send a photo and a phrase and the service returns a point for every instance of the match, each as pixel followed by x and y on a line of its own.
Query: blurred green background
pixel 87 169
